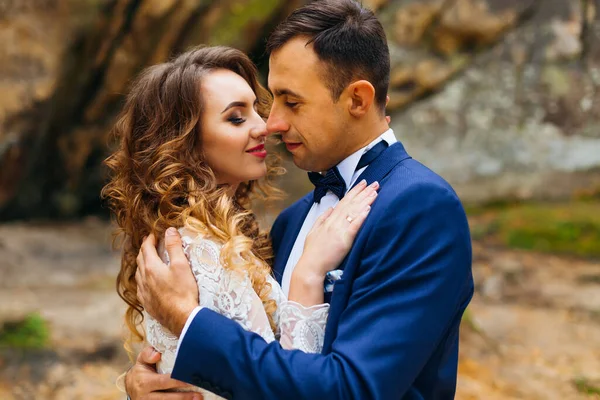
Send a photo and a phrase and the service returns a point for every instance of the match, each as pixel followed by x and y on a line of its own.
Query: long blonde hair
pixel 159 178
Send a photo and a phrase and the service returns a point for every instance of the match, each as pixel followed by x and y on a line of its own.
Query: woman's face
pixel 233 133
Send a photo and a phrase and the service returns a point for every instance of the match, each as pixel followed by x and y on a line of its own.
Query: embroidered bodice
pixel 229 292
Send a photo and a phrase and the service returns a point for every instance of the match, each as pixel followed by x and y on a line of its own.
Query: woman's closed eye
pixel 290 104
pixel 236 120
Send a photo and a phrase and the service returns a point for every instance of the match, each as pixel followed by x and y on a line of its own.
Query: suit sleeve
pixel 411 286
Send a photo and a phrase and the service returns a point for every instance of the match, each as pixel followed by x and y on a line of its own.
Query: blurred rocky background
pixel 501 97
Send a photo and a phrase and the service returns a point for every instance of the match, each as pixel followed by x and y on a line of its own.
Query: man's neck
pixel 367 135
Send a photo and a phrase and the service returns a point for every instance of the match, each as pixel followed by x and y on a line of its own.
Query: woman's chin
pixel 251 174
pixel 259 173
pixel 258 177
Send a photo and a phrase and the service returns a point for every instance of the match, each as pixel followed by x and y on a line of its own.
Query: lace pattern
pixel 303 328
pixel 230 294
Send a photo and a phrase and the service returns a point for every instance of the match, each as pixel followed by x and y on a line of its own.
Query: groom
pixel 392 331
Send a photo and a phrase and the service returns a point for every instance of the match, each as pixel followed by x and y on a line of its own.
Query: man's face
pixel 311 124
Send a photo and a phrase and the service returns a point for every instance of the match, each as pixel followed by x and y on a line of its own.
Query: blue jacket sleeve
pixel 411 286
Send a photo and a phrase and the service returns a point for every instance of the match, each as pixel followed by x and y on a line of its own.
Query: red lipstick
pixel 258 151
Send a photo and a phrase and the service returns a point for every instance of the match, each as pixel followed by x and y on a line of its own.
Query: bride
pixel 192 155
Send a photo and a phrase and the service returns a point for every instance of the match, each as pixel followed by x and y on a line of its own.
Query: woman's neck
pixel 231 188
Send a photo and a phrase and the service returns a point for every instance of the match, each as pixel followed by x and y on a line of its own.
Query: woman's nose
pixel 259 131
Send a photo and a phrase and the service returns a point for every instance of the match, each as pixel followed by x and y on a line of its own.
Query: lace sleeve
pixel 228 292
pixel 299 327
pixel 303 328
pixel 225 291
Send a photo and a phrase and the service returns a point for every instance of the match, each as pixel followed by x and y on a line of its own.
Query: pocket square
pixel 331 277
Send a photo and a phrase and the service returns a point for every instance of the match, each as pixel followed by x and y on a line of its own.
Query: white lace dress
pixel 230 294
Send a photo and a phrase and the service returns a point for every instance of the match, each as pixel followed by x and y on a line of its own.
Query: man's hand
pixel 144 383
pixel 167 293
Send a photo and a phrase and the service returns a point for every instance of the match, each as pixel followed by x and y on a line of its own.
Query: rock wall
pixel 65 72
pixel 520 119
pixel 500 97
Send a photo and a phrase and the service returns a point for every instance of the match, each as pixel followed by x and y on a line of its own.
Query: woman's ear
pixel 361 95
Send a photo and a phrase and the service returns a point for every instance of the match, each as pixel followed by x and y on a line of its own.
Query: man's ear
pixel 361 96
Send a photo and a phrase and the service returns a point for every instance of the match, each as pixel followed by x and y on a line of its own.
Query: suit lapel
pixel 377 171
pixel 383 164
pixel 290 235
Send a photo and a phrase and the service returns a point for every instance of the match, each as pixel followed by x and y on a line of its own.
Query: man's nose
pixel 276 123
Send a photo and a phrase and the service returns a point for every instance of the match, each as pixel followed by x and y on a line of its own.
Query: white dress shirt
pixel 346 169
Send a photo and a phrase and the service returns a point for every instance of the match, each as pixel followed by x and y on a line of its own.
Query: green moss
pixel 30 333
pixel 495 205
pixel 584 386
pixel 469 321
pixel 571 228
pixel 231 29
pixel 557 80
pixel 587 279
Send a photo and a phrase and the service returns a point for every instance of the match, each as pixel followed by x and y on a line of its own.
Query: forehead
pixel 294 66
pixel 223 86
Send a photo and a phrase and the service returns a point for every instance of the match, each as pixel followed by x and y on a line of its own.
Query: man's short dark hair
pixel 348 38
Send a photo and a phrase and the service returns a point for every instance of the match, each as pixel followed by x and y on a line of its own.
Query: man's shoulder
pixel 412 179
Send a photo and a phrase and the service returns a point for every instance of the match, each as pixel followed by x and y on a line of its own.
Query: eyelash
pixel 237 121
pixel 290 104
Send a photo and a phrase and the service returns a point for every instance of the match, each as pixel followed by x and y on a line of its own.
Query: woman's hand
pixel 332 235
pixel 328 243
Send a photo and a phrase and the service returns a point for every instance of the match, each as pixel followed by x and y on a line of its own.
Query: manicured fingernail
pixel 171 232
pixel 375 184
pixel 373 193
pixel 363 182
pixel 367 209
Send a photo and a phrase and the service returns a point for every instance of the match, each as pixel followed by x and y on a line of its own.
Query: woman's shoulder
pixel 195 239
pixel 189 235
pixel 204 253
pixel 194 243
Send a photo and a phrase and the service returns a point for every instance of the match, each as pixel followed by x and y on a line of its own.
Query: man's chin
pixel 300 162
pixel 305 164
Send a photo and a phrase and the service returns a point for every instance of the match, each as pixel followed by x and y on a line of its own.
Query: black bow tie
pixel 333 180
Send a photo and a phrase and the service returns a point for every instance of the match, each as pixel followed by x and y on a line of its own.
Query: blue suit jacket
pixel 392 331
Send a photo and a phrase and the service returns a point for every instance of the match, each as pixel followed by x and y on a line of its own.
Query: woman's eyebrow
pixel 235 104
pixel 238 104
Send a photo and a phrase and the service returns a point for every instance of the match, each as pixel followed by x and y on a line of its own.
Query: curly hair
pixel 158 177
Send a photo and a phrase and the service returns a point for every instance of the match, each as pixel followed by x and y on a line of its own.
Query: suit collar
pixel 383 164
pixel 347 167
pixel 376 171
